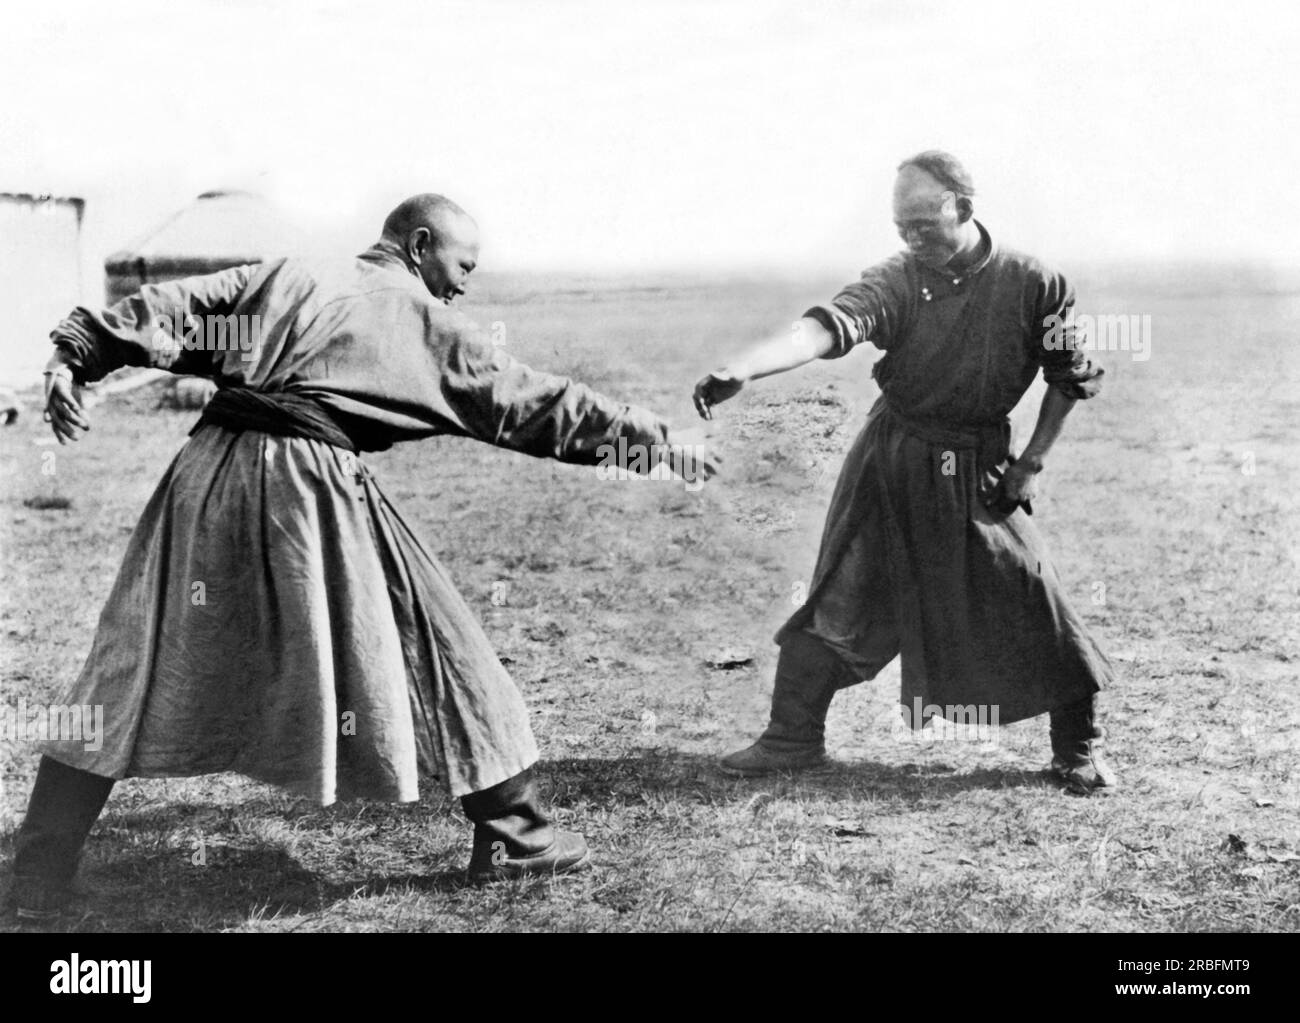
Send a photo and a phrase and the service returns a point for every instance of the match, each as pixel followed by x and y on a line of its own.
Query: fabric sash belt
pixel 278 412
pixel 991 442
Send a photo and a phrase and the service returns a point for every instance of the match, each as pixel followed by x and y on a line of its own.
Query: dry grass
pixel 618 591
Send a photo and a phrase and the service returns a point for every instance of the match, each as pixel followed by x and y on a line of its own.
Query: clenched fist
pixel 717 387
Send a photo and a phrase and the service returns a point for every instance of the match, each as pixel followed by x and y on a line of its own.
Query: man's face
pixel 446 259
pixel 927 217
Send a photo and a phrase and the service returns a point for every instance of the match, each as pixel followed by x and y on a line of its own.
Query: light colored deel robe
pixel 273 615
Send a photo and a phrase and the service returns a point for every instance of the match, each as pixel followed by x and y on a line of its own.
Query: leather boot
pixel 513 838
pixel 64 806
pixel 1077 740
pixel 808 674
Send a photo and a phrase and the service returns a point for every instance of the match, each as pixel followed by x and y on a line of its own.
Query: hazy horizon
pixel 586 135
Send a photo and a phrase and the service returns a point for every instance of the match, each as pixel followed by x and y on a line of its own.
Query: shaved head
pixel 429 210
pixel 437 240
pixel 944 168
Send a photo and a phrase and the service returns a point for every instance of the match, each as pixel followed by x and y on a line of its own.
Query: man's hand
pixel 717 387
pixel 63 409
pixel 1020 482
pixel 690 456
pixel 807 340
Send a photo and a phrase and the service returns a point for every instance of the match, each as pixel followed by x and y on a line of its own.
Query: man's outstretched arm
pixel 870 309
pixel 486 393
pixel 806 341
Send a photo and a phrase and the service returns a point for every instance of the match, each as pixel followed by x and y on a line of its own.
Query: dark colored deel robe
pixel 273 614
pixel 911 561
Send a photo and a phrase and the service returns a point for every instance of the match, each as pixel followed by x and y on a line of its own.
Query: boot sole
pixel 494 876
pixel 1078 788
pixel 824 764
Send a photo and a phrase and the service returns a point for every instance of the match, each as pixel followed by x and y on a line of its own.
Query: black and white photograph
pixel 651 467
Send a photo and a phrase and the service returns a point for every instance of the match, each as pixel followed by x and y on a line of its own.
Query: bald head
pixel 428 210
pixel 437 240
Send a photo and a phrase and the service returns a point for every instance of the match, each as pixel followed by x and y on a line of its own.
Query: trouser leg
pixel 64 806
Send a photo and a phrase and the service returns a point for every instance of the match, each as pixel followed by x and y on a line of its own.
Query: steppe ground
pixel 1170 505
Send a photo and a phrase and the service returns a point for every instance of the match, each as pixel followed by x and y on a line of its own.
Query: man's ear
pixel 965 209
pixel 418 242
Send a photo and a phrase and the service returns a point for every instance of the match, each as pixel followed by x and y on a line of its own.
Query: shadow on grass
pixel 139 885
pixel 127 891
pixel 140 872
pixel 697 778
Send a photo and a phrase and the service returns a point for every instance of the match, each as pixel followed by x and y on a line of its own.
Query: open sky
pixel 674 135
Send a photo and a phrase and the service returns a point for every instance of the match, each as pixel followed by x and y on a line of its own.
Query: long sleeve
pixel 1058 348
pixel 500 400
pixel 870 309
pixel 171 326
pixel 367 341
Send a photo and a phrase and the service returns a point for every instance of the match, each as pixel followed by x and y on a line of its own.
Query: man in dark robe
pixel 928 552
pixel 274 615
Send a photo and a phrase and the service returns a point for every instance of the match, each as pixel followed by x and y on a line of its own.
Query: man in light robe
pixel 928 550
pixel 274 615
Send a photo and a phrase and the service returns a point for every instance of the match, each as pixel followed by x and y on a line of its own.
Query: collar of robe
pixel 957 276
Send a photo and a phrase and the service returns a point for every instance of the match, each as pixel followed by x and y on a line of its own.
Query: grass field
pixel 1174 496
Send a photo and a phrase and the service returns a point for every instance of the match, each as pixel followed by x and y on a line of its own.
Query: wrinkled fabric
pixel 274 615
pixel 912 563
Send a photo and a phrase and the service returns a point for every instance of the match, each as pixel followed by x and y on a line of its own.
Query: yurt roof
pixel 221 227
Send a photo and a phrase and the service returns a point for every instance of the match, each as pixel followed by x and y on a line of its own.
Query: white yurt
pixel 219 229
pixel 40 279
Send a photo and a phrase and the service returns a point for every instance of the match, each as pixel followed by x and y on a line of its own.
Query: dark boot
pixel 64 806
pixel 808 674
pixel 1076 748
pixel 513 838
